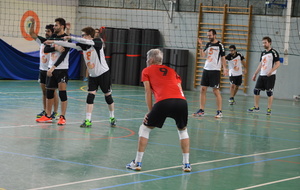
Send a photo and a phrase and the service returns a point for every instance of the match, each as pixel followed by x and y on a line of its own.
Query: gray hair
pixel 156 55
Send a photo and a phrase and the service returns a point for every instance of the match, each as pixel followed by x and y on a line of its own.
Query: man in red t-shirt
pixel 165 84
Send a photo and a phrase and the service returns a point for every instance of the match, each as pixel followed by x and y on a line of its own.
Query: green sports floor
pixel 240 151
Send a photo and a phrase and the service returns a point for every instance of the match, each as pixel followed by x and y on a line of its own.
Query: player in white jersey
pixel 44 61
pixel 57 74
pixel 235 62
pixel 99 75
pixel 215 59
pixel 269 63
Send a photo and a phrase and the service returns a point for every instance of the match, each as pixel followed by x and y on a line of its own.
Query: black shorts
pixel 42 77
pixel 58 76
pixel 211 78
pixel 173 108
pixel 236 80
pixel 265 82
pixel 104 81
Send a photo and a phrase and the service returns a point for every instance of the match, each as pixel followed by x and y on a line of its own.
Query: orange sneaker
pixel 44 119
pixel 62 120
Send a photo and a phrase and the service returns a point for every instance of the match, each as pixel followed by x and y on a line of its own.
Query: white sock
pixel 139 157
pixel 111 113
pixel 88 116
pixel 186 158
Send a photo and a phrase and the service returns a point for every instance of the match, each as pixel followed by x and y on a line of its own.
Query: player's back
pixel 163 81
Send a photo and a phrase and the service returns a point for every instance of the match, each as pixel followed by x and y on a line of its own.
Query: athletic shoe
pixel 253 109
pixel 269 111
pixel 41 114
pixel 219 114
pixel 231 101
pixel 112 122
pixel 186 167
pixel 134 166
pixel 86 124
pixel 54 115
pixel 44 119
pixel 199 113
pixel 85 79
pixel 62 120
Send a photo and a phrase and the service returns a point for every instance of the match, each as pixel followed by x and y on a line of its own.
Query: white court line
pixel 269 183
pixel 148 171
pixel 69 123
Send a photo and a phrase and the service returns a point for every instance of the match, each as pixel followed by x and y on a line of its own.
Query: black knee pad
pixel 109 100
pixel 256 91
pixel 269 93
pixel 63 95
pixel 90 98
pixel 49 94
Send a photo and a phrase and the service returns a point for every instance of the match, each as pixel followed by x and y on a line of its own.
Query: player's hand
pixel 59 48
pixel 66 38
pixel 32 20
pixel 68 26
pixel 49 72
pixel 200 41
pixel 225 72
pixel 254 77
pixel 245 71
pixel 269 74
pixel 146 119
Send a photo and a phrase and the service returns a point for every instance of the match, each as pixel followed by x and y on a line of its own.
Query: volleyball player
pixel 215 58
pixel 44 61
pixel 165 84
pixel 269 63
pixel 235 62
pixel 99 74
pixel 57 72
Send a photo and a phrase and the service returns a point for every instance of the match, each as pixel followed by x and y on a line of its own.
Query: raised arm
pixel 31 30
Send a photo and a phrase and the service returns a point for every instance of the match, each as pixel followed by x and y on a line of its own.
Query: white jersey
pixel 44 57
pixel 214 52
pixel 235 64
pixel 60 60
pixel 93 54
pixel 267 59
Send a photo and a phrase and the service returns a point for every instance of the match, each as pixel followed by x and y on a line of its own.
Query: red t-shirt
pixel 163 81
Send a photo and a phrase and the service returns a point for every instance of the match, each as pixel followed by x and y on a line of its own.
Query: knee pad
pixel 269 93
pixel 109 99
pixel 183 134
pixel 256 91
pixel 49 94
pixel 144 131
pixel 90 98
pixel 63 95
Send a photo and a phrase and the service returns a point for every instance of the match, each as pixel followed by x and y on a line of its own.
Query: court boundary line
pixel 172 167
pixel 269 183
pixel 201 171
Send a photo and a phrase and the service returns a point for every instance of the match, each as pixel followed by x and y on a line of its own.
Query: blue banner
pixel 17 65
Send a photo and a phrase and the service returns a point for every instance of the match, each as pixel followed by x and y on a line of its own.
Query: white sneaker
pixel 134 166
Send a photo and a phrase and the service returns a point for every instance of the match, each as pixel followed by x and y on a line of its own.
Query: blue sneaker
pixel 41 114
pixel 253 109
pixel 134 166
pixel 186 167
pixel 199 113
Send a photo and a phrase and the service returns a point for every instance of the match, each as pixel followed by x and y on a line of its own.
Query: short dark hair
pixel 213 31
pixel 232 47
pixel 267 38
pixel 50 27
pixel 89 31
pixel 61 21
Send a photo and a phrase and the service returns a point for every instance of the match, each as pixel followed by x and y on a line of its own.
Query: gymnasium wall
pixel 181 33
